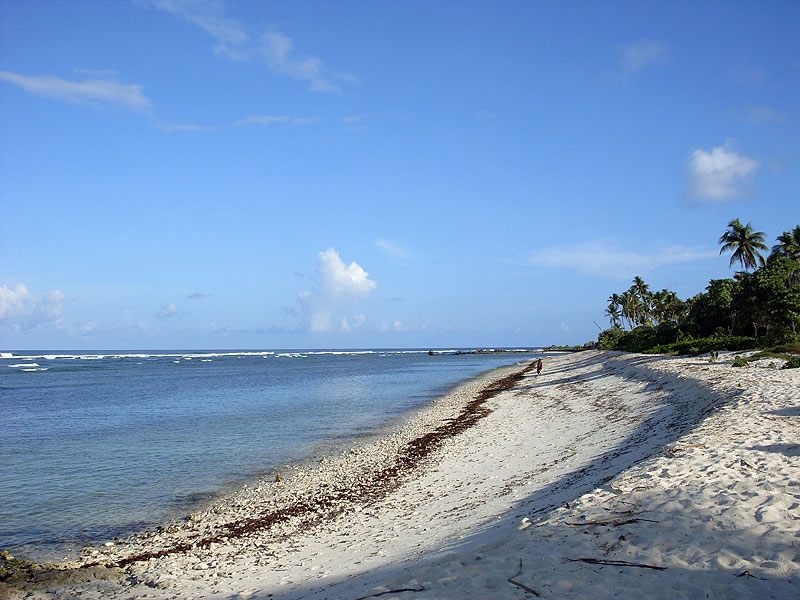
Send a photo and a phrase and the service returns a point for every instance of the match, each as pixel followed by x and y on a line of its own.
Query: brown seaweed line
pixel 379 486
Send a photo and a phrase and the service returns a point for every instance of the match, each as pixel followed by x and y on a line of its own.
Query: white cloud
pixel 208 15
pixel 14 302
pixel 611 260
pixel 349 282
pixel 169 310
pixel 338 288
pixel 719 175
pixel 273 48
pixel 398 326
pixel 642 54
pixel 277 51
pixel 21 310
pixel 97 92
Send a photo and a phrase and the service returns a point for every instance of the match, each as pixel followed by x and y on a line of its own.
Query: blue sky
pixel 211 174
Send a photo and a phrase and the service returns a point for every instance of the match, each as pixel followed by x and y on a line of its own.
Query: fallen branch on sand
pixel 749 574
pixel 522 585
pixel 615 563
pixel 420 589
pixel 612 522
pixel 744 463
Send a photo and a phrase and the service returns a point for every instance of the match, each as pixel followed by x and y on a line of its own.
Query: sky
pixel 208 174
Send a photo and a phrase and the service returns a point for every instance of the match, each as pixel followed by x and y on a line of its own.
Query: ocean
pixel 97 445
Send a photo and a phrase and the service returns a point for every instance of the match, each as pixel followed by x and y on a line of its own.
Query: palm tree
pixel 613 313
pixel 788 244
pixel 640 287
pixel 659 305
pixel 674 307
pixel 627 302
pixel 641 291
pixel 744 243
pixel 632 308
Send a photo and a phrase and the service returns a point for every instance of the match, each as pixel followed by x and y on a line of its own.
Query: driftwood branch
pixel 612 522
pixel 744 463
pixel 749 574
pixel 420 589
pixel 615 563
pixel 522 585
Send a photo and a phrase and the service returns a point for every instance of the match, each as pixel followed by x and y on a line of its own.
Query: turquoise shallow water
pixel 97 445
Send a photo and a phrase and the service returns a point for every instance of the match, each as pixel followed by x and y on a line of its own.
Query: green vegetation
pixel 758 308
pixel 10 565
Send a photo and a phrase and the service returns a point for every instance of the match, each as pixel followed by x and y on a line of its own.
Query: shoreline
pixel 342 469
pixel 307 494
pixel 234 466
pixel 561 467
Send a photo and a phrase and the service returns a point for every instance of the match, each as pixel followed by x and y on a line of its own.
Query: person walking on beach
pixel 538 367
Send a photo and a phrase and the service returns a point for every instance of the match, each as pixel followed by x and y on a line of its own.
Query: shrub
pixel 607 340
pixel 781 337
pixel 740 361
pixel 792 363
pixel 795 348
pixel 703 345
pixel 667 333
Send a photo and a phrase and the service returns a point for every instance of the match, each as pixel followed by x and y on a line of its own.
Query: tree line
pixel 759 305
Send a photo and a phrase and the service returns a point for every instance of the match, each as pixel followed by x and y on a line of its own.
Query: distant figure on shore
pixel 538 367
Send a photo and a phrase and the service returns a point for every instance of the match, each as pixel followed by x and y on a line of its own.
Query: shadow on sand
pixel 683 403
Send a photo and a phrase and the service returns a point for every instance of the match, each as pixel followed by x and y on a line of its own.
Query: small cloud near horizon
pixel 339 287
pixel 398 326
pixel 170 310
pixel 22 311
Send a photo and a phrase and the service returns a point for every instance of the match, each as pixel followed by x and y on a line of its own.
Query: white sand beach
pixel 610 474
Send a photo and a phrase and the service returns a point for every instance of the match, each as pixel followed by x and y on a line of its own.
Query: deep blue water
pixel 96 445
